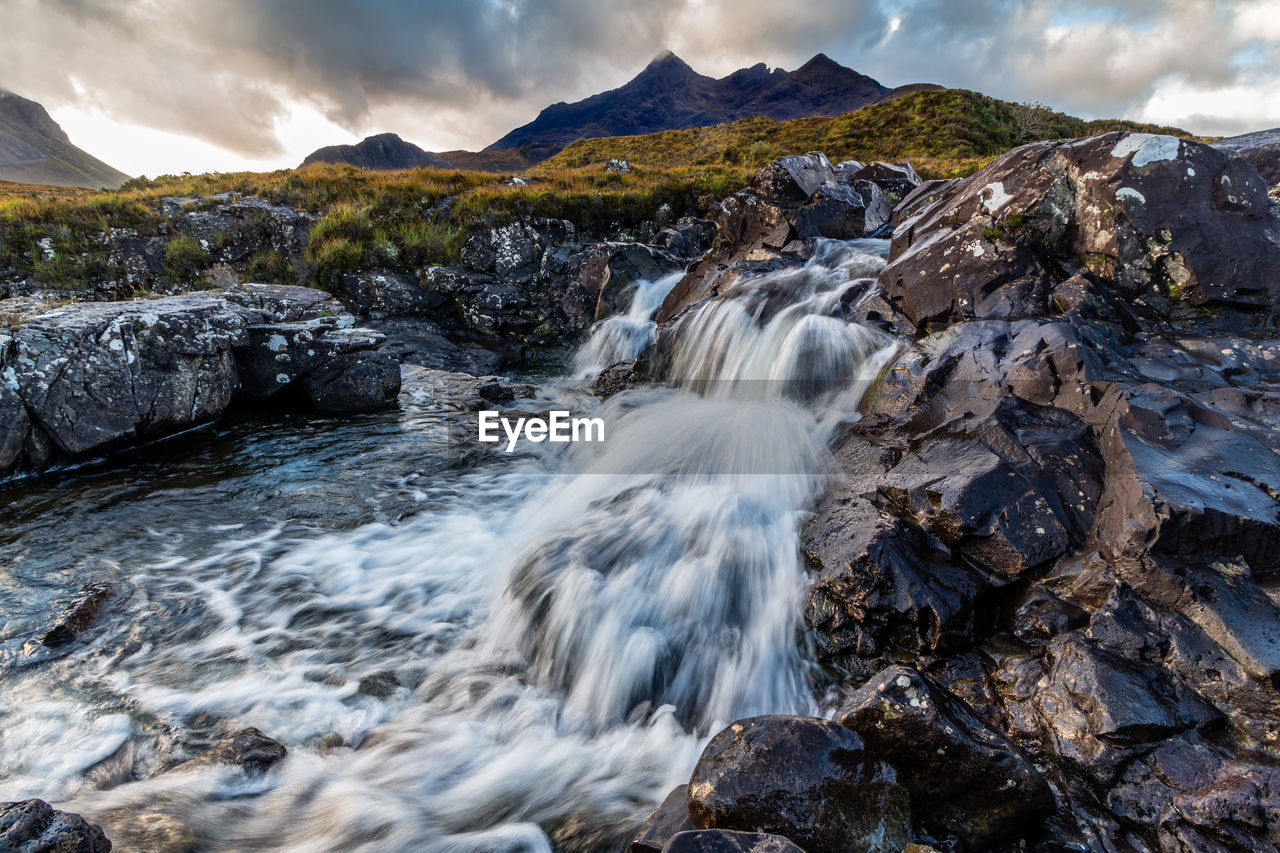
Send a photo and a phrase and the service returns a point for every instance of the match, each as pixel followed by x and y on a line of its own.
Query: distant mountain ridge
pixel 666 95
pixel 34 149
pixel 670 95
pixel 382 152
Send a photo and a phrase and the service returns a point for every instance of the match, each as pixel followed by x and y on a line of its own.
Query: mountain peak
pixel 821 60
pixel 669 95
pixel 667 62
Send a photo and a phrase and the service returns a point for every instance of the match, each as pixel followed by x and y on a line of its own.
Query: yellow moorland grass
pixel 422 216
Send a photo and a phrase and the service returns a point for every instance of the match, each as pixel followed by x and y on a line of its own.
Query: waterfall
pixel 624 336
pixel 567 627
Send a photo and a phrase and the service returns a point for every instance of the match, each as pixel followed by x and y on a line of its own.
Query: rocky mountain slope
pixel 669 95
pixel 35 150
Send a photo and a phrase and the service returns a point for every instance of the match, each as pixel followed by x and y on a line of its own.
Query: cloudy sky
pixel 154 86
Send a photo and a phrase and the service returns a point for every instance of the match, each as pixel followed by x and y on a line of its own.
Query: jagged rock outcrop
pixel 1060 506
pixel 1148 213
pixel 84 378
pixel 787 205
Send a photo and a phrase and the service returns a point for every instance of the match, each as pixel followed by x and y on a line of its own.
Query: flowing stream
pixel 459 653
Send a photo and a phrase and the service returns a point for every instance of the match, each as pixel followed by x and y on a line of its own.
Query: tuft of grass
pixel 185 258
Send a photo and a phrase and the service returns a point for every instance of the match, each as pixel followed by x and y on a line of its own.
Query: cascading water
pixel 624 336
pixel 551 635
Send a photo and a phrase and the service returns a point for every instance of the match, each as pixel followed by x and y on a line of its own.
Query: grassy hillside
pixel 368 219
pixel 946 133
pixel 396 219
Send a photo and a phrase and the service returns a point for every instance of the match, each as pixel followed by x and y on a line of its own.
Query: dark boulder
pixel 896 180
pixel 792 179
pixel 966 780
pixel 670 819
pixel 248 748
pixel 846 169
pixel 363 382
pixel 688 239
pixel 809 780
pixel 283 357
pixel 729 841
pixel 76 617
pixel 843 211
pixel 33 826
pixel 615 378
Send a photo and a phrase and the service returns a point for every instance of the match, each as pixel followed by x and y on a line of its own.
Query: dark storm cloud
pixel 228 71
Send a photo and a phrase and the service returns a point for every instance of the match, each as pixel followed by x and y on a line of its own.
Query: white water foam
pixel 560 634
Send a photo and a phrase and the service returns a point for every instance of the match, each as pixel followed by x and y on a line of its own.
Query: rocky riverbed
pixel 966 540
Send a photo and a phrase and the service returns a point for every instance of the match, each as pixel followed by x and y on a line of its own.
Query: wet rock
pixel 688 239
pixel 896 180
pixel 1237 812
pixel 77 616
pixel 33 826
pixel 247 748
pixel 884 583
pixel 728 841
pixel 809 780
pixel 338 369
pixel 1149 784
pixel 1101 709
pixel 792 179
pixel 907 558
pixel 843 211
pixel 1153 214
pixel 361 382
pixel 965 779
pixel 84 378
pixel 670 818
pixel 614 378
pixel 612 271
